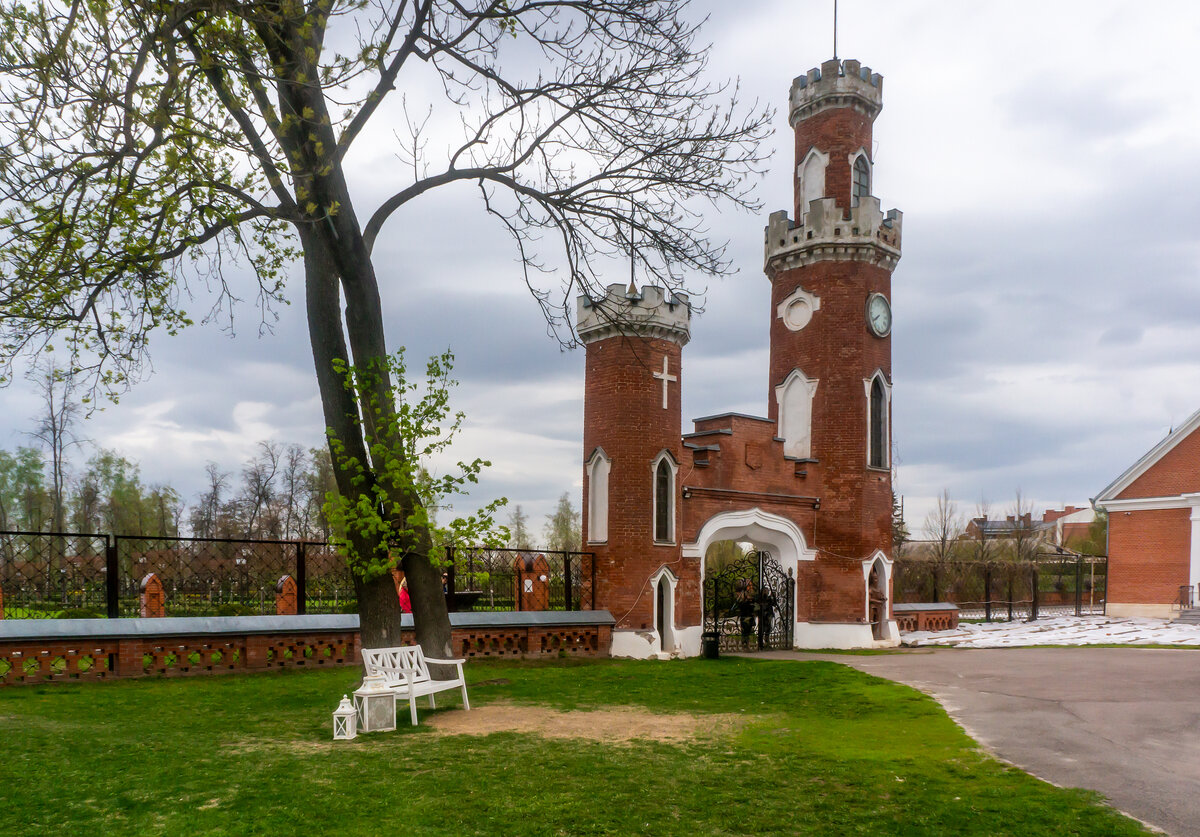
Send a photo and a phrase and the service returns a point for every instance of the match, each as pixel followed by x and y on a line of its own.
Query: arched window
pixel 862 179
pixel 812 180
pixel 663 471
pixel 597 511
pixel 795 397
pixel 662 502
pixel 877 456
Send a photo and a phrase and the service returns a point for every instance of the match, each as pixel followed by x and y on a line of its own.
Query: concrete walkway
pixel 1122 721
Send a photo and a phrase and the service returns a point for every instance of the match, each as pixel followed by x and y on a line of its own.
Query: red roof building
pixel 1154 527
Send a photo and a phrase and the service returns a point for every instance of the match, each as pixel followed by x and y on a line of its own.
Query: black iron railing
pixel 481 579
pixel 1006 590
pixel 57 575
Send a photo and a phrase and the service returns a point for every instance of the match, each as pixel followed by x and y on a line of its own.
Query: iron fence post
pixel 301 578
pixel 567 589
pixel 592 563
pixel 1010 597
pixel 1078 586
pixel 112 582
pixel 1033 614
pixel 987 593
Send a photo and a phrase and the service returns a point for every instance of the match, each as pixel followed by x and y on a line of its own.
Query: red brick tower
pixel 632 451
pixel 830 367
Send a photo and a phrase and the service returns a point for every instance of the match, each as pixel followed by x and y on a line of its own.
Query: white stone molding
pixel 835 84
pixel 797 309
pixel 667 642
pixel 887 417
pixel 811 173
pixel 778 535
pixel 672 491
pixel 1178 501
pixel 824 233
pixel 597 511
pixel 795 399
pixel 852 159
pixel 879 558
pixel 666 377
pixel 652 312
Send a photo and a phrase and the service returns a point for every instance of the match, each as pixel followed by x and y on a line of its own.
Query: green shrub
pixel 79 613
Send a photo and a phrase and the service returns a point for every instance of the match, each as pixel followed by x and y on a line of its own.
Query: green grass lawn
pixel 822 750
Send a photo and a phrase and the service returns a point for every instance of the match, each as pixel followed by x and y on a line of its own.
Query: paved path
pixel 1123 721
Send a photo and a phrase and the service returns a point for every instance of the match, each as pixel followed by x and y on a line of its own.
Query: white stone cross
pixel 666 379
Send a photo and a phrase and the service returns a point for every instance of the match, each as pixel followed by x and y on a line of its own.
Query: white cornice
pixel 1178 501
pixel 1148 461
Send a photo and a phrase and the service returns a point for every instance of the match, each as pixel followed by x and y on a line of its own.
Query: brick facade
pixel 1154 527
pixel 829 508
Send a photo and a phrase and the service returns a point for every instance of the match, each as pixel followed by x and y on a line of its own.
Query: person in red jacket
pixel 405 601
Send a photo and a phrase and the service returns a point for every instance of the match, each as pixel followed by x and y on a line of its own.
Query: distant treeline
pixel 278 493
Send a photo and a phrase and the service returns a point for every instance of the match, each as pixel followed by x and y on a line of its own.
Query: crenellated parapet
pixel 650 312
pixel 836 84
pixel 827 232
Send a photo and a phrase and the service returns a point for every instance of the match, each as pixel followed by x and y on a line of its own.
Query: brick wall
pixel 623 413
pixel 1177 472
pixel 1148 555
pixel 41 660
pixel 838 133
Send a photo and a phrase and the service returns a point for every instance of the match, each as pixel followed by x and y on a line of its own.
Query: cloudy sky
pixel 1047 307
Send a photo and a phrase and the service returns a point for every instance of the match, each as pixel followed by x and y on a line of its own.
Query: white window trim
pixel 597 502
pixel 673 469
pixel 795 377
pixel 666 643
pixel 824 158
pixel 869 564
pixel 853 158
pixel 887 420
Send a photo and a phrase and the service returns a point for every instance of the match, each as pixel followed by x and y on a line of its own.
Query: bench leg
pixel 466 703
pixel 432 702
pixel 412 709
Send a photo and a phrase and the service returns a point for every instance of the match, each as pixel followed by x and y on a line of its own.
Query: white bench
pixel 406 670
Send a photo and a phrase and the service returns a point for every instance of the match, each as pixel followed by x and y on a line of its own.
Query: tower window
pixel 862 179
pixel 597 518
pixel 877 455
pixel 664 498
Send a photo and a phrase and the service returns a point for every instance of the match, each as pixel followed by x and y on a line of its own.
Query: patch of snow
pixel 1061 630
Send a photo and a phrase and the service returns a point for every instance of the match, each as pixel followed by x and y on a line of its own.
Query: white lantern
pixel 375 703
pixel 345 721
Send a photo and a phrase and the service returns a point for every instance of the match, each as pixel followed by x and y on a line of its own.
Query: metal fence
pixel 72 575
pixel 46 575
pixel 1006 590
pixel 481 579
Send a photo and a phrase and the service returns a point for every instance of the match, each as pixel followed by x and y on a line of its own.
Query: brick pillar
pixel 533 583
pixel 285 596
pixel 256 652
pixel 129 658
pixel 153 598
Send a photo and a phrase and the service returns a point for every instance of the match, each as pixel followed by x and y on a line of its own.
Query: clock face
pixel 879 315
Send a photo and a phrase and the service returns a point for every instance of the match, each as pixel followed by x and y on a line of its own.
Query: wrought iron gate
pixel 750 604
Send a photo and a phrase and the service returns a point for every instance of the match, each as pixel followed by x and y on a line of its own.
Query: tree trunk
pixel 379 608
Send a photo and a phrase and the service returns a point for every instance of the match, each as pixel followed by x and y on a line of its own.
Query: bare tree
pixel 152 146
pixel 1026 539
pixel 56 431
pixel 258 492
pixel 205 519
pixel 943 526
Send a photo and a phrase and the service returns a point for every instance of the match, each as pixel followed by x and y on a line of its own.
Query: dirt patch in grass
pixel 607 725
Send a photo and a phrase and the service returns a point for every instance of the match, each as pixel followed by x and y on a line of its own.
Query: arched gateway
pixel 809 483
